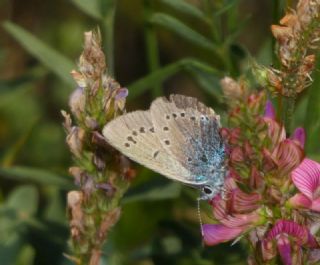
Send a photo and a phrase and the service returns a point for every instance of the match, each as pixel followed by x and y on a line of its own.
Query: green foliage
pixel 56 62
pixel 188 49
pixel 181 29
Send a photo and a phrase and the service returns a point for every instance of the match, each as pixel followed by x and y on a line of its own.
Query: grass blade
pixel 91 7
pixel 185 7
pixel 182 30
pixel 147 82
pixel 36 175
pixel 55 61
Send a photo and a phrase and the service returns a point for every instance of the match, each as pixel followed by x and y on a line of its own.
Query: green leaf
pixel 36 175
pixel 91 7
pixel 185 7
pixel 182 30
pixel 158 76
pixel 55 61
pixel 55 209
pixel 226 7
pixel 24 200
pixel 10 249
pixel 153 190
pixel 208 82
pixel 26 256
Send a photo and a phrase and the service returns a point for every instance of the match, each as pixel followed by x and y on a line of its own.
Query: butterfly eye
pixel 207 190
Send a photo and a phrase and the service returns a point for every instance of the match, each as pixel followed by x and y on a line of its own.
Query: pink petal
pixel 222 213
pixel 243 202
pixel 300 201
pixel 300 233
pixel 284 250
pixel 269 110
pixel 306 177
pixel 214 234
pixel 315 206
pixel 299 135
pixel 276 131
pixel 239 200
pixel 287 227
pixel 288 156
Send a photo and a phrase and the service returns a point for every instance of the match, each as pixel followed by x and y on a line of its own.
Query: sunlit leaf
pixel 182 30
pixel 91 8
pixel 36 175
pixel 55 61
pixel 185 7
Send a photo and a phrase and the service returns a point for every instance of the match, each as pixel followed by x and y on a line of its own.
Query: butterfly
pixel 178 138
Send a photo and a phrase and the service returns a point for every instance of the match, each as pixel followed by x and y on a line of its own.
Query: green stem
pixel 217 38
pixel 276 15
pixel 108 32
pixel 151 45
pixel 212 22
pixel 289 4
pixel 287 113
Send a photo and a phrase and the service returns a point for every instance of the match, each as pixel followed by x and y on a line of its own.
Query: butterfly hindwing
pixel 193 137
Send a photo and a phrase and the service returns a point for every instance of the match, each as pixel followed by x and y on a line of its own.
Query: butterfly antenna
pixel 199 216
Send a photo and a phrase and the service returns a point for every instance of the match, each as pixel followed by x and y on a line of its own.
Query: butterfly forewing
pixel 135 135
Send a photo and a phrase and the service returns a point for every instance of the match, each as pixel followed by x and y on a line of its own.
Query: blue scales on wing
pixel 189 131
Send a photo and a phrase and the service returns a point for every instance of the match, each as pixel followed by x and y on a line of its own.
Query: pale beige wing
pixel 135 136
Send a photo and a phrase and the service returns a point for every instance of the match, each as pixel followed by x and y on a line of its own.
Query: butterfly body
pixel 178 138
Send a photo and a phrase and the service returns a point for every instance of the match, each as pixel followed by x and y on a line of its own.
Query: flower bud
pixel 237 155
pixel 232 90
pixel 75 140
pixel 74 202
pixel 77 102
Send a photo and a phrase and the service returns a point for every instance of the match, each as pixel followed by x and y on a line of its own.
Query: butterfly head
pixel 214 187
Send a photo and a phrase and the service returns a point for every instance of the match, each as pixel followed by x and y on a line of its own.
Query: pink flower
pixel 236 214
pixel 214 234
pixel 287 235
pixel 306 177
pixel 287 155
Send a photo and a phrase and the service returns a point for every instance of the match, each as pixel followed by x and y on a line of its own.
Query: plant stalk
pixel 151 45
pixel 108 33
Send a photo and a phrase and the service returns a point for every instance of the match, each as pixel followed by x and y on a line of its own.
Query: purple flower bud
pixel 299 135
pixel 122 93
pixel 269 111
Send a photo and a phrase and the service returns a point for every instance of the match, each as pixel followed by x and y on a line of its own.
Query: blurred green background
pixel 153 47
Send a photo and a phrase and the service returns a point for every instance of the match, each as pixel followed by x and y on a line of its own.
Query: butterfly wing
pixel 135 136
pixel 189 131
